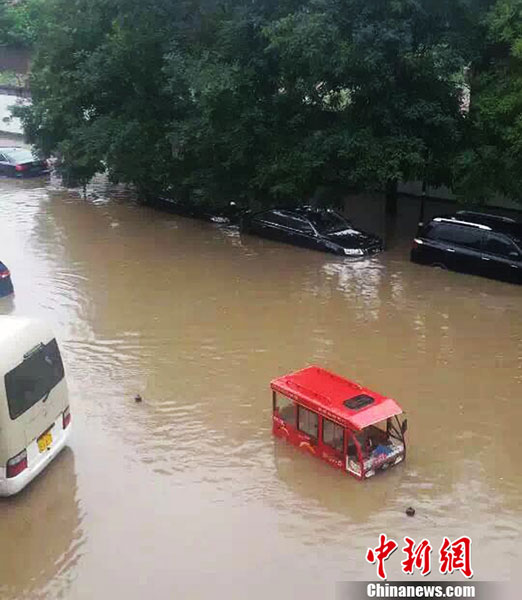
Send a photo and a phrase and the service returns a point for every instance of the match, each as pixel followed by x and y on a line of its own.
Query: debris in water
pixel 410 511
pixel 138 398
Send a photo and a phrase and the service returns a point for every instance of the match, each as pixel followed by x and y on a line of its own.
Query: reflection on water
pixel 360 282
pixel 188 488
pixel 41 535
pixel 7 305
pixel 300 474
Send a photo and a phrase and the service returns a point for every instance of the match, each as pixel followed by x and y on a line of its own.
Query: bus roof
pixel 335 397
pixel 17 336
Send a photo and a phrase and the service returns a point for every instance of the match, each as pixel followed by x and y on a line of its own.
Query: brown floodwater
pixel 187 495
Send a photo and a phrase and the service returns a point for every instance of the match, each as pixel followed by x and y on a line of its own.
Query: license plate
pixel 45 441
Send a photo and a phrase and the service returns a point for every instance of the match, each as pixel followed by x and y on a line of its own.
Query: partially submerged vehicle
pixel 472 242
pixel 316 229
pixel 339 421
pixel 21 162
pixel 6 285
pixel 34 404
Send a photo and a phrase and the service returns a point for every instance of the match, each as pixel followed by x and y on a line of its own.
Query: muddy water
pixel 187 495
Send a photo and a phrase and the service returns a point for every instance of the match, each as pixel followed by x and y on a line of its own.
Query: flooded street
pixel 187 495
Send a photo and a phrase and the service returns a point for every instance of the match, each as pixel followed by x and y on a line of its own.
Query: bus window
pixel 34 378
pixel 333 435
pixel 351 447
pixel 308 422
pixel 285 409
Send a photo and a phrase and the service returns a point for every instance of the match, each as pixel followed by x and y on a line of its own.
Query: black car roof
pixel 310 210
pixel 301 211
pixel 473 215
pixel 492 222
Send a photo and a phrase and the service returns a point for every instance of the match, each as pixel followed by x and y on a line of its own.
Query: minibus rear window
pixel 34 378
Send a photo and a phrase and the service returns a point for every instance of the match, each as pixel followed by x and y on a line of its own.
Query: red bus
pixel 335 419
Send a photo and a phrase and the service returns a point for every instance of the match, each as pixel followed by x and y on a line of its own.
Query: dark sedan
pixel 6 285
pixel 20 162
pixel 316 229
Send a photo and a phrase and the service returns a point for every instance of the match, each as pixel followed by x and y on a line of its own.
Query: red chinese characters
pixel 456 556
pixel 418 557
pixel 383 551
pixel 453 556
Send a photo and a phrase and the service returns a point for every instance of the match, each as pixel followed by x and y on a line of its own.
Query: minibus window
pixel 285 409
pixel 308 422
pixel 333 435
pixel 351 449
pixel 34 378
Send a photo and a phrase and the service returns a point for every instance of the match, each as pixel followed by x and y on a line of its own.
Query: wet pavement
pixel 187 494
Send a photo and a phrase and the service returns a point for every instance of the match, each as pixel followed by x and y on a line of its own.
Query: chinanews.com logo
pixel 424 590
pixel 480 590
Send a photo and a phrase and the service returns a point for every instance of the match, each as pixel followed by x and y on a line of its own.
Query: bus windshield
pixel 34 378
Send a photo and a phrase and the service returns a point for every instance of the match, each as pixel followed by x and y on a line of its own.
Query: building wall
pixel 14 59
pixel 414 188
pixel 9 124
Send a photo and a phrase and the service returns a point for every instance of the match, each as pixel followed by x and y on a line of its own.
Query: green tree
pixel 491 162
pixel 233 118
pixel 322 93
pixel 98 90
pixel 6 22
pixel 18 21
pixel 385 77
pixel 257 102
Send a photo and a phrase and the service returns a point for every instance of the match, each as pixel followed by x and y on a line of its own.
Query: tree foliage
pixel 98 90
pixel 491 162
pixel 18 21
pixel 266 101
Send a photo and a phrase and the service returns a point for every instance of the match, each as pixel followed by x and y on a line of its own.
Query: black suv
pixel 312 228
pixel 472 242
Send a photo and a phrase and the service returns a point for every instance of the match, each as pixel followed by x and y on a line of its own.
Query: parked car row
pixel 467 241
pixel 17 162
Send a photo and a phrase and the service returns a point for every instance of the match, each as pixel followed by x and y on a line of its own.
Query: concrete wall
pixel 414 188
pixel 9 124
pixel 368 211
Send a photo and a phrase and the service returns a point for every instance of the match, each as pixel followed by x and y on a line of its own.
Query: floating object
pixel 345 424
pixel 410 511
pixel 137 398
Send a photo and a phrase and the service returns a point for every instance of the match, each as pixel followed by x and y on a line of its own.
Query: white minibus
pixel 35 419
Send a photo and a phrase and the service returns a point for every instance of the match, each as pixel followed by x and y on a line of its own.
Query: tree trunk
pixel 423 204
pixel 391 197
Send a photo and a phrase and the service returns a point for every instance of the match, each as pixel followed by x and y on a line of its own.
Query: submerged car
pixel 472 242
pixel 338 421
pixel 6 285
pixel 316 229
pixel 21 162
